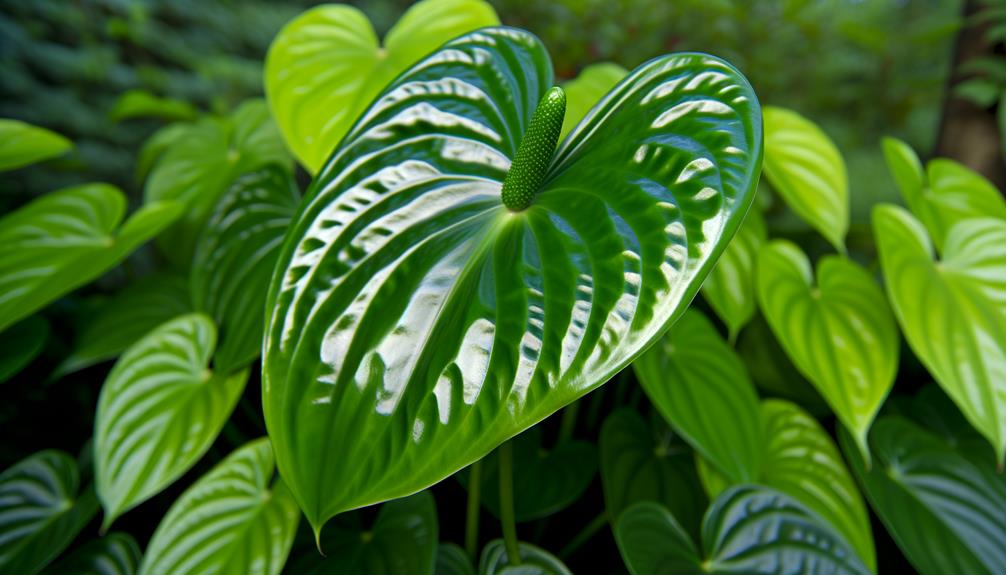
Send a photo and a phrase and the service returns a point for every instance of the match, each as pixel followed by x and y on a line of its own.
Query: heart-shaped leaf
pixel 701 388
pixel 64 240
pixel 803 165
pixel 199 163
pixel 20 344
pixel 952 312
pixel 402 541
pixel 638 466
pixel 533 561
pixel 771 369
pixel 452 560
pixel 22 144
pixel 946 193
pixel 234 520
pixel 113 554
pixel 416 314
pixel 126 317
pixel 748 530
pixel 730 287
pixel 159 411
pixel 544 481
pixel 235 257
pixel 947 514
pixel 839 333
pixel 41 510
pixel 587 89
pixel 327 65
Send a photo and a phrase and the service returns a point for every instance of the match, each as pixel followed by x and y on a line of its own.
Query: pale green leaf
pixel 730 287
pixel 20 344
pixel 587 89
pixel 22 144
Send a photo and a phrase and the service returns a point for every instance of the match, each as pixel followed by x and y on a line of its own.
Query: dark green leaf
pixel 20 344
pixel 113 554
pixel 22 144
pixel 533 561
pixel 982 92
pixel 452 560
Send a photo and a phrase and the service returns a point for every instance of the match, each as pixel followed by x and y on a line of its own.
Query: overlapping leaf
pixel 452 560
pixel 112 554
pixel 66 239
pixel 236 519
pixel 771 369
pixel 730 287
pixel 22 144
pixel 235 257
pixel 325 66
pixel 160 409
pixel 413 313
pixel 952 311
pixel 20 344
pixel 41 510
pixel 806 169
pixel 587 89
pixel 839 333
pixel 533 561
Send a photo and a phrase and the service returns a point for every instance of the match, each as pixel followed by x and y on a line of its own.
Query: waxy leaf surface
pixel 416 323
pixel 730 287
pixel 533 561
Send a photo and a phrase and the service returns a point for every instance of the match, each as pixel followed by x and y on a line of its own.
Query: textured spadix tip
pixel 535 151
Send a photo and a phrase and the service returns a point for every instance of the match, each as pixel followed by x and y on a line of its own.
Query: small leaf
pixel 701 388
pixel 235 257
pixel 402 541
pixel 803 165
pixel 452 560
pixel 636 466
pixel 126 317
pixel 20 344
pixel 545 481
pixel 533 561
pixel 326 66
pixel 22 144
pixel 749 529
pixel 953 311
pixel 947 514
pixel 236 520
pixel 66 239
pixel 587 89
pixel 113 554
pixel 142 104
pixel 41 510
pixel 159 411
pixel 199 163
pixel 730 287
pixel 982 92
pixel 840 333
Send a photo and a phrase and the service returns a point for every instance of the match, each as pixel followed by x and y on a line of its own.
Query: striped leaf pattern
pixel 730 287
pixel 952 311
pixel 160 409
pixel 235 257
pixel 41 510
pixel 839 333
pixel 64 240
pixel 112 554
pixel 236 520
pixel 414 313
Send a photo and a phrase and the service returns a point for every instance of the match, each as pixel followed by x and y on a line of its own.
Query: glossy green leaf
pixel 533 561
pixel 402 541
pixel 952 311
pixel 20 344
pixel 701 388
pixel 22 144
pixel 327 65
pixel 545 481
pixel 748 530
pixel 452 560
pixel 160 409
pixel 947 514
pixel 946 193
pixel 803 165
pixel 417 315
pixel 587 89
pixel 123 319
pixel 234 520
pixel 839 332
pixel 771 369
pixel 112 554
pixel 730 287
pixel 639 465
pixel 66 239
pixel 199 163
pixel 235 257
pixel 142 104
pixel 41 510
pixel 156 145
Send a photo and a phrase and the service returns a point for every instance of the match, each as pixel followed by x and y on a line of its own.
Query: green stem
pixel 472 519
pixel 568 423
pixel 584 535
pixel 506 503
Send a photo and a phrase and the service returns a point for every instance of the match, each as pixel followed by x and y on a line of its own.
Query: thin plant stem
pixel 474 503
pixel 584 535
pixel 568 422
pixel 506 503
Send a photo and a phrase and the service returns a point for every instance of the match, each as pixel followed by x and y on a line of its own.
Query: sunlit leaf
pixel 587 89
pixel 160 409
pixel 327 65
pixel 20 344
pixel 952 311
pixel 730 287
pixel 533 561
pixel 66 239
pixel 22 144
pixel 112 554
